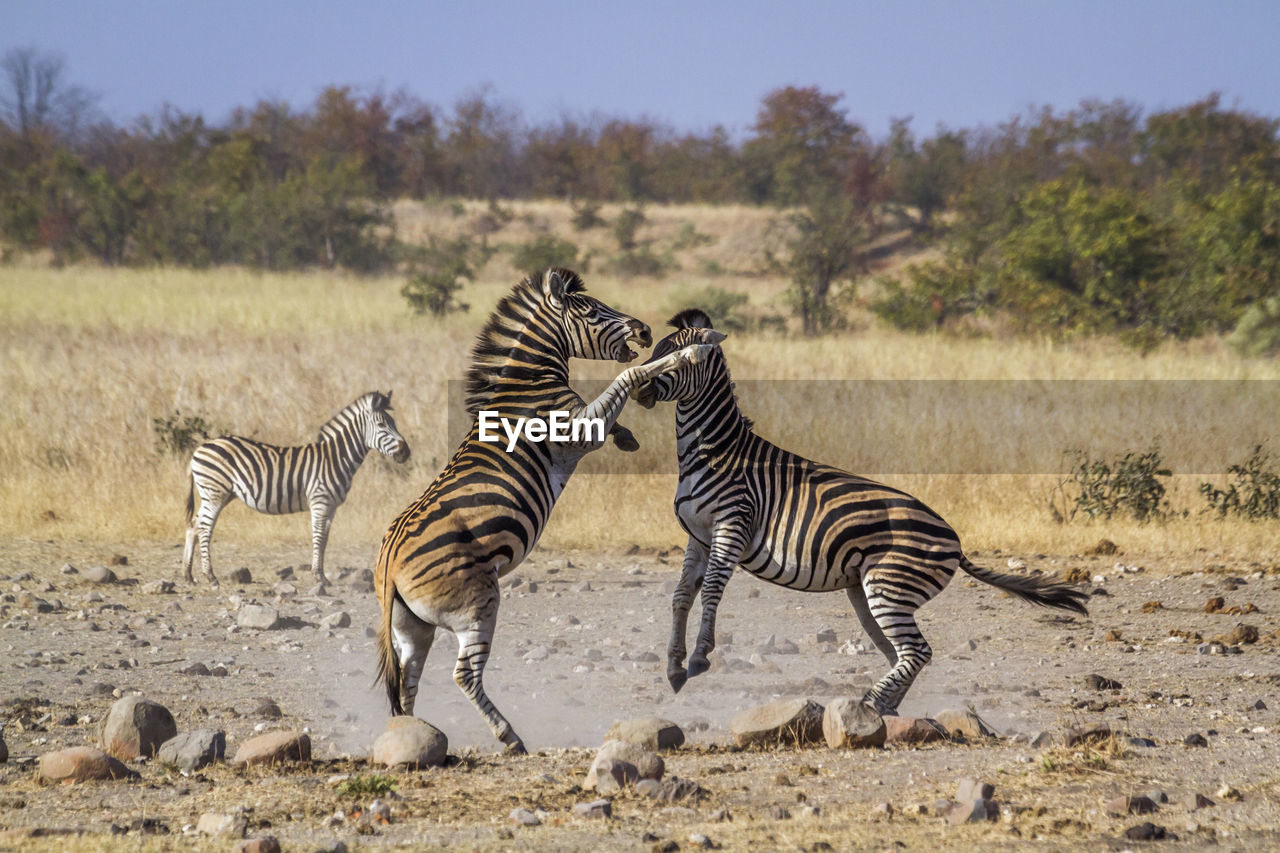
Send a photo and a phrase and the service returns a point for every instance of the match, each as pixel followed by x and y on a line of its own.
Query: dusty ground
pixel 1024 670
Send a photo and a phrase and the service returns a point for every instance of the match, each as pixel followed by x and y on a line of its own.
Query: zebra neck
pixel 519 366
pixel 709 425
pixel 349 447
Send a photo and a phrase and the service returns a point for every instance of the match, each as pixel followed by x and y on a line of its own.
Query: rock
pixel 912 730
pixel 261 617
pixel 581 586
pixel 963 723
pixel 652 733
pixel 4 747
pixel 851 724
pixel 1195 739
pixel 884 808
pixel 825 635
pixel 1226 792
pixel 1214 604
pixel 196 668
pixel 341 619
pixel 977 811
pixel 968 790
pixel 671 789
pixel 648 765
pixel 157 587
pixel 81 764
pixel 413 744
pixel 523 817
pixel 274 748
pixel 99 574
pixel 612 775
pixel 136 726
pixel 264 707
pixel 1196 801
pixel 1141 742
pixel 1104 548
pixel 240 576
pixel 361 581
pixel 1158 796
pixel 192 750
pixel 1099 732
pixel 1098 682
pixel 1240 635
pixel 779 813
pixel 1258 706
pixel 1130 805
pixel 596 809
pixel 797 721
pixel 261 844
pixel 217 825
pixel 1146 832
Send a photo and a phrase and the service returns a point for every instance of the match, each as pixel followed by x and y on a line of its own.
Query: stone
pixel 1099 732
pixel 274 748
pixel 581 586
pixel 960 722
pixel 410 742
pixel 340 619
pixel 912 731
pixel 192 750
pixel 648 765
pixel 219 825
pixel 196 668
pixel 596 809
pixel 157 587
pixel 851 724
pixel 825 635
pixel 523 817
pixel 672 789
pixel 790 721
pixel 1146 832
pixel 99 574
pixel 977 811
pixel 1226 792
pixel 4 747
pixel 1196 801
pixel 261 844
pixel 1130 805
pixel 264 707
pixel 260 617
pixel 1195 739
pixel 612 775
pixel 1098 682
pixel 968 790
pixel 652 733
pixel 1240 635
pixel 136 726
pixel 81 764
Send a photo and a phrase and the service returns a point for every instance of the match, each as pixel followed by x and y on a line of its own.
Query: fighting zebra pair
pixel 440 561
pixel 279 480
pixel 803 525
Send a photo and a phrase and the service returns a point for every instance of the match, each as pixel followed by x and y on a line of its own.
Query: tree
pixel 803 145
pixel 825 248
pixel 36 96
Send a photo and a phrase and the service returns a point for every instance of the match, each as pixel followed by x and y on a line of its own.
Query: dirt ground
pixel 571 658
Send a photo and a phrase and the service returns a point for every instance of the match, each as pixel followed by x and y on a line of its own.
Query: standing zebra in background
pixel 279 480
pixel 799 524
pixel 441 559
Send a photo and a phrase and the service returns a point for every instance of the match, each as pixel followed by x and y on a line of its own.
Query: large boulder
pixel 274 748
pixel 652 733
pixel 410 742
pixel 648 765
pixel 81 764
pixel 962 723
pixel 797 721
pixel 136 726
pixel 193 750
pixel 851 723
pixel 912 731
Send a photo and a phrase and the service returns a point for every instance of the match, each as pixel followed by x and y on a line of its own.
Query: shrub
pixel 641 262
pixel 689 237
pixel 1252 493
pixel 587 216
pixel 722 306
pixel 626 227
pixel 1258 332
pixel 546 251
pixel 373 785
pixel 438 271
pixel 1130 484
pixel 179 433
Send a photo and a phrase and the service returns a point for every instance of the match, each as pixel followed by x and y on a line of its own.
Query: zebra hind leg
pixel 858 598
pixel 321 518
pixel 411 640
pixel 211 507
pixel 473 654
pixel 896 618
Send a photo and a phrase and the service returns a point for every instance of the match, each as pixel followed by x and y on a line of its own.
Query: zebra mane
pixel 491 356
pixel 336 425
pixel 691 318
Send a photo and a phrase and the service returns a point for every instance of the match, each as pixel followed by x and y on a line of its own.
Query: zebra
pixel 441 559
pixel 279 480
pixel 811 527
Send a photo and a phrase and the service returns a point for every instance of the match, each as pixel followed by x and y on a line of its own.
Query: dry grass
pixel 91 356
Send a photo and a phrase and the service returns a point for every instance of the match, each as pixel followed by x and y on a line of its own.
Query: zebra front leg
pixel 695 565
pixel 727 545
pixel 473 653
pixel 321 517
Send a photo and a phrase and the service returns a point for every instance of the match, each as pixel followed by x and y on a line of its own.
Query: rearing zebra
pixel 279 480
pixel 799 524
pixel 441 559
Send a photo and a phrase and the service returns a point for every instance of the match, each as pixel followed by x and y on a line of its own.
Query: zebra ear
pixel 711 336
pixel 553 287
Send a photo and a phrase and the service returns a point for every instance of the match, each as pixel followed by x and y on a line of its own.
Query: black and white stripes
pixel 278 480
pixel 746 502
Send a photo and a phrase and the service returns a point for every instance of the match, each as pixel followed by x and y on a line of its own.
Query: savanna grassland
pixel 94 355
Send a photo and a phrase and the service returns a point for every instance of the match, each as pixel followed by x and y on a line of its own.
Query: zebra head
pixel 593 329
pixel 692 326
pixel 380 432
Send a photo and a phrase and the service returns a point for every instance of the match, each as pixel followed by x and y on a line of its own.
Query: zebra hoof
pixel 698 665
pixel 677 677
pixel 516 747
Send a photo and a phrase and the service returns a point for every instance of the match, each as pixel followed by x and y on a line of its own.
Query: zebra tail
pixel 1034 588
pixel 191 495
pixel 388 667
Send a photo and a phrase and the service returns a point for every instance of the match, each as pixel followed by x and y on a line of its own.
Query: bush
pixel 546 251
pixel 721 305
pixel 1258 332
pixel 587 216
pixel 439 271
pixel 641 262
pixel 689 237
pixel 179 433
pixel 626 227
pixel 1130 484
pixel 1253 493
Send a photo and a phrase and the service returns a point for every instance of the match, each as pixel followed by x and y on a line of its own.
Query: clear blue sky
pixel 691 64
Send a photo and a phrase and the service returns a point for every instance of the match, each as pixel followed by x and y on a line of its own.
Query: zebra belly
pixel 269 505
pixel 779 563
